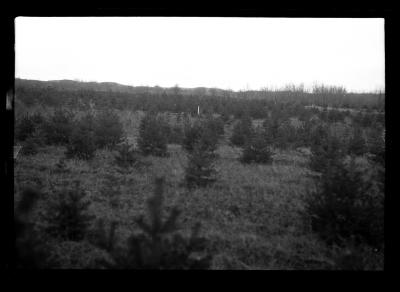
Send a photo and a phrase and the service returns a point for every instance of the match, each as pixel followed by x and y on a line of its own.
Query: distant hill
pixel 116 87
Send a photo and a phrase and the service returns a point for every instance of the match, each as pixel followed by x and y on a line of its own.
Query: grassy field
pixel 253 215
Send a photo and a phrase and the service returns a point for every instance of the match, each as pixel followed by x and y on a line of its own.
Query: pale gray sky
pixel 235 53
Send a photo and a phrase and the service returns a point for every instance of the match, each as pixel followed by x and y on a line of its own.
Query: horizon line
pixel 306 88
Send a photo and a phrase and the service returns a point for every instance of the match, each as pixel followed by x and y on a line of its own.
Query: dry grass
pixel 253 215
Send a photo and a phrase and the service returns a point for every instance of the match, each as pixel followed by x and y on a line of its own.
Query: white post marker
pixel 198 110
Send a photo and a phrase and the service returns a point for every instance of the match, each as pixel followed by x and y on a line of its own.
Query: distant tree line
pixel 253 103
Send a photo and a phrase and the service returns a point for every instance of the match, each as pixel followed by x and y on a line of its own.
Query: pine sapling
pixel 159 245
pixel 200 170
pixel 67 215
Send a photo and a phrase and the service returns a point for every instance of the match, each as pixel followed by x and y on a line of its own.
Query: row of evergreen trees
pixel 104 130
pixel 174 100
pixel 82 136
pixel 281 134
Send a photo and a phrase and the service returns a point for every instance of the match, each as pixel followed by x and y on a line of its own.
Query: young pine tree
pixel 29 146
pixel 327 153
pixel 82 141
pixel 175 135
pixel 61 166
pixel 58 127
pixel 112 190
pixel 30 250
pixel 242 131
pixel 159 245
pixel 200 170
pixel 192 134
pixel 126 156
pixel 67 215
pixel 357 144
pixel 346 205
pixel 102 238
pixel 108 129
pixel 215 125
pixel 257 150
pixel 271 129
pixel 152 139
pixel 25 127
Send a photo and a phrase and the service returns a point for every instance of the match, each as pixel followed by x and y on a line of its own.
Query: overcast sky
pixel 234 53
